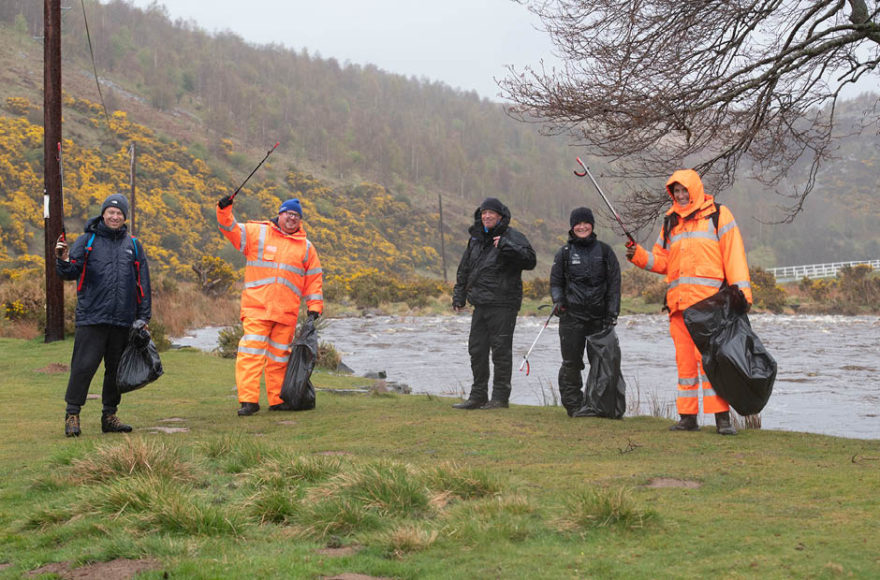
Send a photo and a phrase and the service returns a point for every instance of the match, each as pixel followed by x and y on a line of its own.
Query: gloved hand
pixel 610 321
pixel 313 316
pixel 559 308
pixel 631 250
pixel 62 251
pixel 139 324
pixel 224 202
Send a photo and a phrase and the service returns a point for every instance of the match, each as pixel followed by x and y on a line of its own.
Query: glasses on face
pixel 291 215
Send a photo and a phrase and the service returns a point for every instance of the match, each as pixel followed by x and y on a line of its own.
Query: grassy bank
pixel 406 487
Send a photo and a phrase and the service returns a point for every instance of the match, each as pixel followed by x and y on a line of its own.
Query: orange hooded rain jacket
pixel 697 258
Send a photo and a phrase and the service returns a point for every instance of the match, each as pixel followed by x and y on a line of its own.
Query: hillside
pixel 369 152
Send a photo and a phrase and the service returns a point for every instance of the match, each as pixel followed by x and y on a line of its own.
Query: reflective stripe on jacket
pixel 281 269
pixel 697 259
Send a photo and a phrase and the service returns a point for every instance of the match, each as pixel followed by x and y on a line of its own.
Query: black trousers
pixel 90 345
pixel 491 331
pixel 573 333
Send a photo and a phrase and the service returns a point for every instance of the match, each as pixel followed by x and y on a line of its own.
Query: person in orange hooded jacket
pixel 697 258
pixel 282 270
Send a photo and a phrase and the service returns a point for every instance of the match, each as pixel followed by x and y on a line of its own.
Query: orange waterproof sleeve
pixel 654 261
pixel 313 282
pixel 733 253
pixel 231 229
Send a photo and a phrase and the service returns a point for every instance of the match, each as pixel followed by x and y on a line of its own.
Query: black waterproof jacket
pixel 585 278
pixel 109 293
pixel 490 276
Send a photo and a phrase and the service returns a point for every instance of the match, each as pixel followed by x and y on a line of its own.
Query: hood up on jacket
pixel 691 180
pixel 476 230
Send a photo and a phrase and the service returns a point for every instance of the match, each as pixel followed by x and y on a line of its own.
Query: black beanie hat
pixel 493 204
pixel 116 200
pixel 581 214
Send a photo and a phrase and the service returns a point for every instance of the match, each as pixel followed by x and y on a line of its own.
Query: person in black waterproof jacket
pixel 585 288
pixel 490 278
pixel 113 292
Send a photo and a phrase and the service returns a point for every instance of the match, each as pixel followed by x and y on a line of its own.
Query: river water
pixel 827 380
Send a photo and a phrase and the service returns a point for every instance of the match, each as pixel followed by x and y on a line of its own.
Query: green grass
pixel 414 488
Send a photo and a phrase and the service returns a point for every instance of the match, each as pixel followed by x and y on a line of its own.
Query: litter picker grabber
pixel 61 186
pixel 525 360
pixel 586 172
pixel 237 189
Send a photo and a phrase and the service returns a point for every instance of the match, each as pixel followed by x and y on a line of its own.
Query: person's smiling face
pixel 113 218
pixel 289 222
pixel 681 194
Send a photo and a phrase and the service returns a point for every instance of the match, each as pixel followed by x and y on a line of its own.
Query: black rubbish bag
pixel 605 393
pixel 297 391
pixel 740 369
pixel 140 364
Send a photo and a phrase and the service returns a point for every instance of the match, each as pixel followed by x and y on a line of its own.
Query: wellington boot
pixel 686 423
pixel 723 425
pixel 469 405
pixel 110 423
pixel 248 409
pixel 282 407
pixel 71 425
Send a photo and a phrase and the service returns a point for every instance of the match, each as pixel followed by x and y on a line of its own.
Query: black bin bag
pixel 740 369
pixel 140 364
pixel 297 390
pixel 605 393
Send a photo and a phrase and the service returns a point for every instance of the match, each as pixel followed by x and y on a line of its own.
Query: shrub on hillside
pixel 765 292
pixel 649 286
pixel 214 275
pixel 536 288
pixel 858 285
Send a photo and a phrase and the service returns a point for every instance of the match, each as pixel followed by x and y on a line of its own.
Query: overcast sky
pixel 464 43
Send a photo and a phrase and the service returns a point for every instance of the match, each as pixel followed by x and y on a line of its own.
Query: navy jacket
pixel 490 276
pixel 109 293
pixel 585 277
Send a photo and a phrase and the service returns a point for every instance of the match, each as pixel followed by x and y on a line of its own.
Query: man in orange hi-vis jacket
pixel 282 270
pixel 699 249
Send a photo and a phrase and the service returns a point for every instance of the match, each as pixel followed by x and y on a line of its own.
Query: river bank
pixel 827 380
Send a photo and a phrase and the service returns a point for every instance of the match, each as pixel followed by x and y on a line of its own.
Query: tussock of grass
pixel 466 483
pixel 509 517
pixel 133 456
pixel 238 453
pixel 600 508
pixel 407 539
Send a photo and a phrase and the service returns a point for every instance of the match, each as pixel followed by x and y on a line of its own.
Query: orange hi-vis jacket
pixel 697 258
pixel 281 269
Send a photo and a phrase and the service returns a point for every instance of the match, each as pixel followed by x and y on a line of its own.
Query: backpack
pixel 670 221
pixel 139 292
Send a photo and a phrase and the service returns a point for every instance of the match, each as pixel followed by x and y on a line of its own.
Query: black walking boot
pixel 723 426
pixel 470 404
pixel 248 409
pixel 282 407
pixel 110 423
pixel 686 423
pixel 493 404
pixel 71 425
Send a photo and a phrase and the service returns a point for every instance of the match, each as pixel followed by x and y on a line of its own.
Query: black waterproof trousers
pixel 92 344
pixel 491 331
pixel 573 333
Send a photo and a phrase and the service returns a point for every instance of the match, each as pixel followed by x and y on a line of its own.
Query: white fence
pixel 791 273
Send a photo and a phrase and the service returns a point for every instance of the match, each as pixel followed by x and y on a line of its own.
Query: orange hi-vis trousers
pixel 264 344
pixel 690 373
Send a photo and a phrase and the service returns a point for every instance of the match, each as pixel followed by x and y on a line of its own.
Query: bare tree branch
pixel 717 85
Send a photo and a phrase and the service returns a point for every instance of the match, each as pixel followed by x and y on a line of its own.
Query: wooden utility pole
pixel 442 236
pixel 53 205
pixel 133 213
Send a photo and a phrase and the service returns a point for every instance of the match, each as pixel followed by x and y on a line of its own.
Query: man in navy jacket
pixel 113 293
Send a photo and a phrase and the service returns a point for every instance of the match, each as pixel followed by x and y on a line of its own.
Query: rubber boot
pixel 723 425
pixel 686 423
pixel 248 409
pixel 469 405
pixel 71 425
